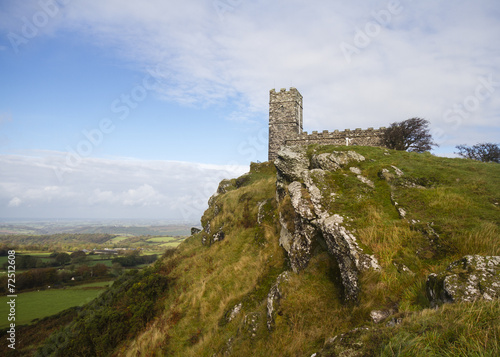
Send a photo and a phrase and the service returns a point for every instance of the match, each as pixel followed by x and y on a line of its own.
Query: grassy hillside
pixel 212 299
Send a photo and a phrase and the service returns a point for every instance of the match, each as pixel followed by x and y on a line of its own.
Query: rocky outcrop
pixel 231 315
pixel 224 187
pixel 195 230
pixel 274 297
pixel 471 278
pixel 349 344
pixel 291 163
pixel 305 223
pixel 335 160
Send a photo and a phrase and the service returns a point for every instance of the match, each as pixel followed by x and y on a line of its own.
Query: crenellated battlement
pixel 358 132
pixel 368 137
pixel 285 126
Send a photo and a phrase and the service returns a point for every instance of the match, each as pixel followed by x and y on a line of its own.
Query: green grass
pixel 40 304
pixel 170 245
pixel 166 242
pixel 3 260
pixel 99 284
pixel 99 259
pixel 118 239
pixel 454 330
pixel 161 239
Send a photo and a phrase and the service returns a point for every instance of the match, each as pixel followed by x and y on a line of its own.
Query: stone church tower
pixel 285 118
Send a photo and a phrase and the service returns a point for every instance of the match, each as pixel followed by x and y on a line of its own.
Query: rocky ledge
pixel 305 223
pixel 471 278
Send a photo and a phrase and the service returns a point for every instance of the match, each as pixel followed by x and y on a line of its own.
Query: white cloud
pixel 15 202
pixel 103 188
pixel 144 195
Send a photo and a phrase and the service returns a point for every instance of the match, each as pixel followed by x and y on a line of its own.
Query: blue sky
pixel 138 109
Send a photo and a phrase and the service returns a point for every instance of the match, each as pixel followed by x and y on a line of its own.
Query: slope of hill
pixel 331 256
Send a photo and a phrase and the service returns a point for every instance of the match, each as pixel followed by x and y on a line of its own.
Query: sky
pixel 114 109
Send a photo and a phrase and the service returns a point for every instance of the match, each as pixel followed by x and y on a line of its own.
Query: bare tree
pixel 410 135
pixel 486 152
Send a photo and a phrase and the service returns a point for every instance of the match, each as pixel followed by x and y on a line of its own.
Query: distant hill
pixel 340 251
pixel 75 227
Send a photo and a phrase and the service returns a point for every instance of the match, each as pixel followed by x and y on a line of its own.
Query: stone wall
pixel 368 137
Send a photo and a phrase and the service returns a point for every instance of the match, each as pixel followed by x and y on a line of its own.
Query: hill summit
pixel 328 251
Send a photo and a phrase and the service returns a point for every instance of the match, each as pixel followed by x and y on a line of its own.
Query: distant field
pixel 34 253
pixel 170 244
pixel 161 239
pixel 118 239
pixel 98 259
pixel 40 304
pixel 166 242
pixel 99 284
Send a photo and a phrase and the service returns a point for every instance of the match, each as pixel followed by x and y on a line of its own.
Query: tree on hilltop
pixel 486 152
pixel 409 135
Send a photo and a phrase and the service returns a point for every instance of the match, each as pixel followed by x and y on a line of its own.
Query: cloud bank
pixel 102 188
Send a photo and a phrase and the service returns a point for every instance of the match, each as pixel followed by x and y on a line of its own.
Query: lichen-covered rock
pixel 260 212
pixel 378 316
pixel 286 237
pixel 274 297
pixel 342 244
pixel 366 181
pixel 386 175
pixel 251 324
pixel 355 170
pixel 398 172
pixel 349 344
pixel 225 186
pixel 403 269
pixel 195 230
pixel 471 278
pixel 220 235
pixel 335 160
pixel 231 315
pixel 389 176
pixel 298 244
pixel 301 247
pixel 301 205
pixel 291 162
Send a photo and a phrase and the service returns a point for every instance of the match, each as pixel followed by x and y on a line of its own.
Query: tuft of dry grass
pixel 482 240
pixel 460 329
